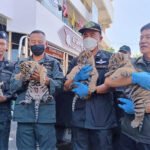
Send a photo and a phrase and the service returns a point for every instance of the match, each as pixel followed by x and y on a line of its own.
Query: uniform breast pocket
pixel 5 76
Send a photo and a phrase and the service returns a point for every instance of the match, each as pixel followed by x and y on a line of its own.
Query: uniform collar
pixel 140 60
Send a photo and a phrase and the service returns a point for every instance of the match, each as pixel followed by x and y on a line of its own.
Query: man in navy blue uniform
pixel 6 69
pixel 93 119
pixel 132 138
pixel 29 130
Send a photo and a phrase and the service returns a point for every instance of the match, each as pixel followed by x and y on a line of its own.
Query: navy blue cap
pixel 3 35
pixel 90 26
pixel 124 48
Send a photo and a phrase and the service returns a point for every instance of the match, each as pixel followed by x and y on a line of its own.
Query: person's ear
pixel 29 45
pixel 7 47
pixel 46 44
pixel 100 38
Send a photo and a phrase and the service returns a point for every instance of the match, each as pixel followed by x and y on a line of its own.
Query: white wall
pixel 23 20
pixel 47 22
pixel 6 8
pixel 51 25
pixel 29 15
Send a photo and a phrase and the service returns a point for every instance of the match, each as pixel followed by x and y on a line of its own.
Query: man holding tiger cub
pixel 93 115
pixel 131 138
pixel 36 80
pixel 135 138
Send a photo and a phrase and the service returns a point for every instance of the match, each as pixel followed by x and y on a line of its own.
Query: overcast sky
pixel 129 17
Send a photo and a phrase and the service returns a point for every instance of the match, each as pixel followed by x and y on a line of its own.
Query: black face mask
pixel 37 50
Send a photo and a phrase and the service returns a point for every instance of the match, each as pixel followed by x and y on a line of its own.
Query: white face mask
pixel 90 43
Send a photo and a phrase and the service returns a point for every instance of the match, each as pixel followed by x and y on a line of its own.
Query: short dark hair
pixel 37 31
pixel 145 27
pixel 3 35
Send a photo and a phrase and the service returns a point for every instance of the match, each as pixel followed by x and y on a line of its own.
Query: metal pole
pixel 9 45
pixel 20 45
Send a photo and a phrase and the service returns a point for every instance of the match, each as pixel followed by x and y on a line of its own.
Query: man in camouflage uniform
pixel 42 131
pixel 5 95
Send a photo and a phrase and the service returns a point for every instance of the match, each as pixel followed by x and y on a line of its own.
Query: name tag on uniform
pixel 101 66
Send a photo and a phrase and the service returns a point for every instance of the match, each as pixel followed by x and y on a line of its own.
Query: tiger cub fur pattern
pixel 120 65
pixel 1 91
pixel 36 91
pixel 85 57
pixel 27 68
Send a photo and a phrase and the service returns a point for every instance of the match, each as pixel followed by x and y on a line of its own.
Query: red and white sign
pixel 54 53
pixel 70 39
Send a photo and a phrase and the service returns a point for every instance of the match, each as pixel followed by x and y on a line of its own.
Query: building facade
pixel 59 19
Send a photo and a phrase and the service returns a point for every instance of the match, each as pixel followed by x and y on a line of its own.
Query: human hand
pixel 47 81
pixel 84 73
pixel 127 105
pixel 35 76
pixel 3 99
pixel 142 79
pixel 80 89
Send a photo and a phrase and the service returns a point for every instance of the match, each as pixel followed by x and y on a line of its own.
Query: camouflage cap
pixel 3 35
pixel 124 48
pixel 90 26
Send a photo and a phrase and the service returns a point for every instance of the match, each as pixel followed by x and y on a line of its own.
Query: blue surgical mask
pixel 37 50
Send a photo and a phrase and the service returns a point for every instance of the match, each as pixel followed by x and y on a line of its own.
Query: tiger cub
pixel 85 57
pixel 36 91
pixel 120 65
pixel 27 68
